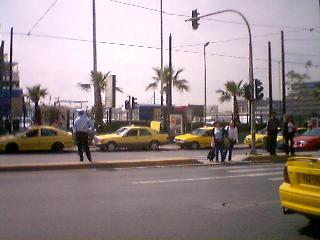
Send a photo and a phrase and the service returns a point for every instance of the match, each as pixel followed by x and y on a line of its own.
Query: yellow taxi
pixel 199 138
pixel 261 138
pixel 132 137
pixel 37 138
pixel 300 190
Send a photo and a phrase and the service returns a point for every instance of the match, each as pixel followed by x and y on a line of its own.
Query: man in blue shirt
pixel 82 127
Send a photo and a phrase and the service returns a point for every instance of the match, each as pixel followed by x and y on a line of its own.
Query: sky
pixel 58 52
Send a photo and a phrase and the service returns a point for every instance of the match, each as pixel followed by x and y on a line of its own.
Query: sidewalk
pixel 151 162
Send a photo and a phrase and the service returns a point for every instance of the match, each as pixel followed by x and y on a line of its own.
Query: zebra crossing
pixel 272 172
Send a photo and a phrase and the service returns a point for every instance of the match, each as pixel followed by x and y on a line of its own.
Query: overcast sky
pixel 129 40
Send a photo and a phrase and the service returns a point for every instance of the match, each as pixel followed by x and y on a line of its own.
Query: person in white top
pixel 232 134
pixel 82 127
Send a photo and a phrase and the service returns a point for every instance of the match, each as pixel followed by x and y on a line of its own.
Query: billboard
pixel 110 92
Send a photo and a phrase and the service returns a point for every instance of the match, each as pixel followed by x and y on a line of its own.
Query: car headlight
pixel 97 140
pixel 301 142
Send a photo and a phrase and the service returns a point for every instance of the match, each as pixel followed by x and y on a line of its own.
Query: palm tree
pixel 99 79
pixel 231 92
pixel 35 93
pixel 180 84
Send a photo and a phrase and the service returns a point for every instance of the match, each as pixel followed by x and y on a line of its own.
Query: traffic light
pixel 127 104
pixel 259 89
pixel 195 22
pixel 134 102
pixel 248 92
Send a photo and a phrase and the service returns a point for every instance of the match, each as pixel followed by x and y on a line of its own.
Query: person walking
pixel 82 127
pixel 232 134
pixel 289 131
pixel 272 130
pixel 218 135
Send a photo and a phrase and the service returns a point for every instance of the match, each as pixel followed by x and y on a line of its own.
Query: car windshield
pixel 312 132
pixel 199 132
pixel 121 131
pixel 262 131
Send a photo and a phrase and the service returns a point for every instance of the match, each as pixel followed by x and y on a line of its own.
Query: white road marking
pixel 276 179
pixel 208 178
pixel 255 170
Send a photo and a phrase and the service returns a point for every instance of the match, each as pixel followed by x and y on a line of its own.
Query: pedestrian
pixel 218 135
pixel 82 127
pixel 273 126
pixel 289 130
pixel 231 132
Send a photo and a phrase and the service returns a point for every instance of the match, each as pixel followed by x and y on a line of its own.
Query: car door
pixel 145 137
pixel 205 139
pixel 131 139
pixel 30 140
pixel 47 138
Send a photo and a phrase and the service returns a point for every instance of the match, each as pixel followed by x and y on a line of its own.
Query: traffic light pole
pixel 251 80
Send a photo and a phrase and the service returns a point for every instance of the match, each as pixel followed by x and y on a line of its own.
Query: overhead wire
pixel 42 16
pixel 146 47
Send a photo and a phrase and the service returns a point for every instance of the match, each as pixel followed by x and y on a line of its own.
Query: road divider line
pixel 255 170
pixel 208 178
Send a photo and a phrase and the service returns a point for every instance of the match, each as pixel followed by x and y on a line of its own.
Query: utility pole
pixel 163 122
pixel 205 82
pixel 10 81
pixel 270 78
pixel 283 76
pixel 169 86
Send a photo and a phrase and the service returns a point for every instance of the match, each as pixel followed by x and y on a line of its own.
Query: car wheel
pixel 195 146
pixel 111 147
pixel 11 148
pixel 154 146
pixel 57 147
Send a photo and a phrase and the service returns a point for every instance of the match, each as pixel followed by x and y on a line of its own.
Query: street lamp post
pixel 251 80
pixel 205 82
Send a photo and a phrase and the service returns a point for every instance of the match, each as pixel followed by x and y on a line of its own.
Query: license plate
pixel 311 180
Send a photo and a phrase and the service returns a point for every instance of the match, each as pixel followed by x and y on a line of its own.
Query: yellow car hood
pixel 7 138
pixel 105 136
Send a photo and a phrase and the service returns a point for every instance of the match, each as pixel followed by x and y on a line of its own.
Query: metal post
pixel 251 79
pixel 283 77
pixel 270 78
pixel 205 82
pixel 10 81
pixel 161 65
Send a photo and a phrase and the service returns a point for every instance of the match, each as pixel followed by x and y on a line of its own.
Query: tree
pixel 180 84
pixel 35 93
pixel 99 79
pixel 231 92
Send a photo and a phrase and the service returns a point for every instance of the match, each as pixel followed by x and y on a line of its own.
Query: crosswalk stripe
pixel 276 179
pixel 255 170
pixel 208 178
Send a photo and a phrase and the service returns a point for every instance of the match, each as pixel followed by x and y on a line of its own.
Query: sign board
pixel 110 91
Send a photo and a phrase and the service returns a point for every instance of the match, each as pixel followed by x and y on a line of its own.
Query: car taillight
pixel 286 175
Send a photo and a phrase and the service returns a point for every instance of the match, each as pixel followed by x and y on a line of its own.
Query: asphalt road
pixel 206 202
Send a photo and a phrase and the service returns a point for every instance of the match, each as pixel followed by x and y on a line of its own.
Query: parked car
pixel 280 139
pixel 133 137
pixel 300 190
pixel 199 138
pixel 261 138
pixel 308 141
pixel 37 138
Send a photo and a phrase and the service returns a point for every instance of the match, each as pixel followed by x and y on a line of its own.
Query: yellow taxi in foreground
pixel 37 138
pixel 132 137
pixel 261 138
pixel 199 138
pixel 300 191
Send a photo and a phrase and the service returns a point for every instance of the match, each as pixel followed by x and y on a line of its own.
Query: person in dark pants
pixel 289 131
pixel 218 135
pixel 231 132
pixel 272 130
pixel 82 127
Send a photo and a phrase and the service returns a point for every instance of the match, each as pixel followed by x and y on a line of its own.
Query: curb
pixel 95 165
